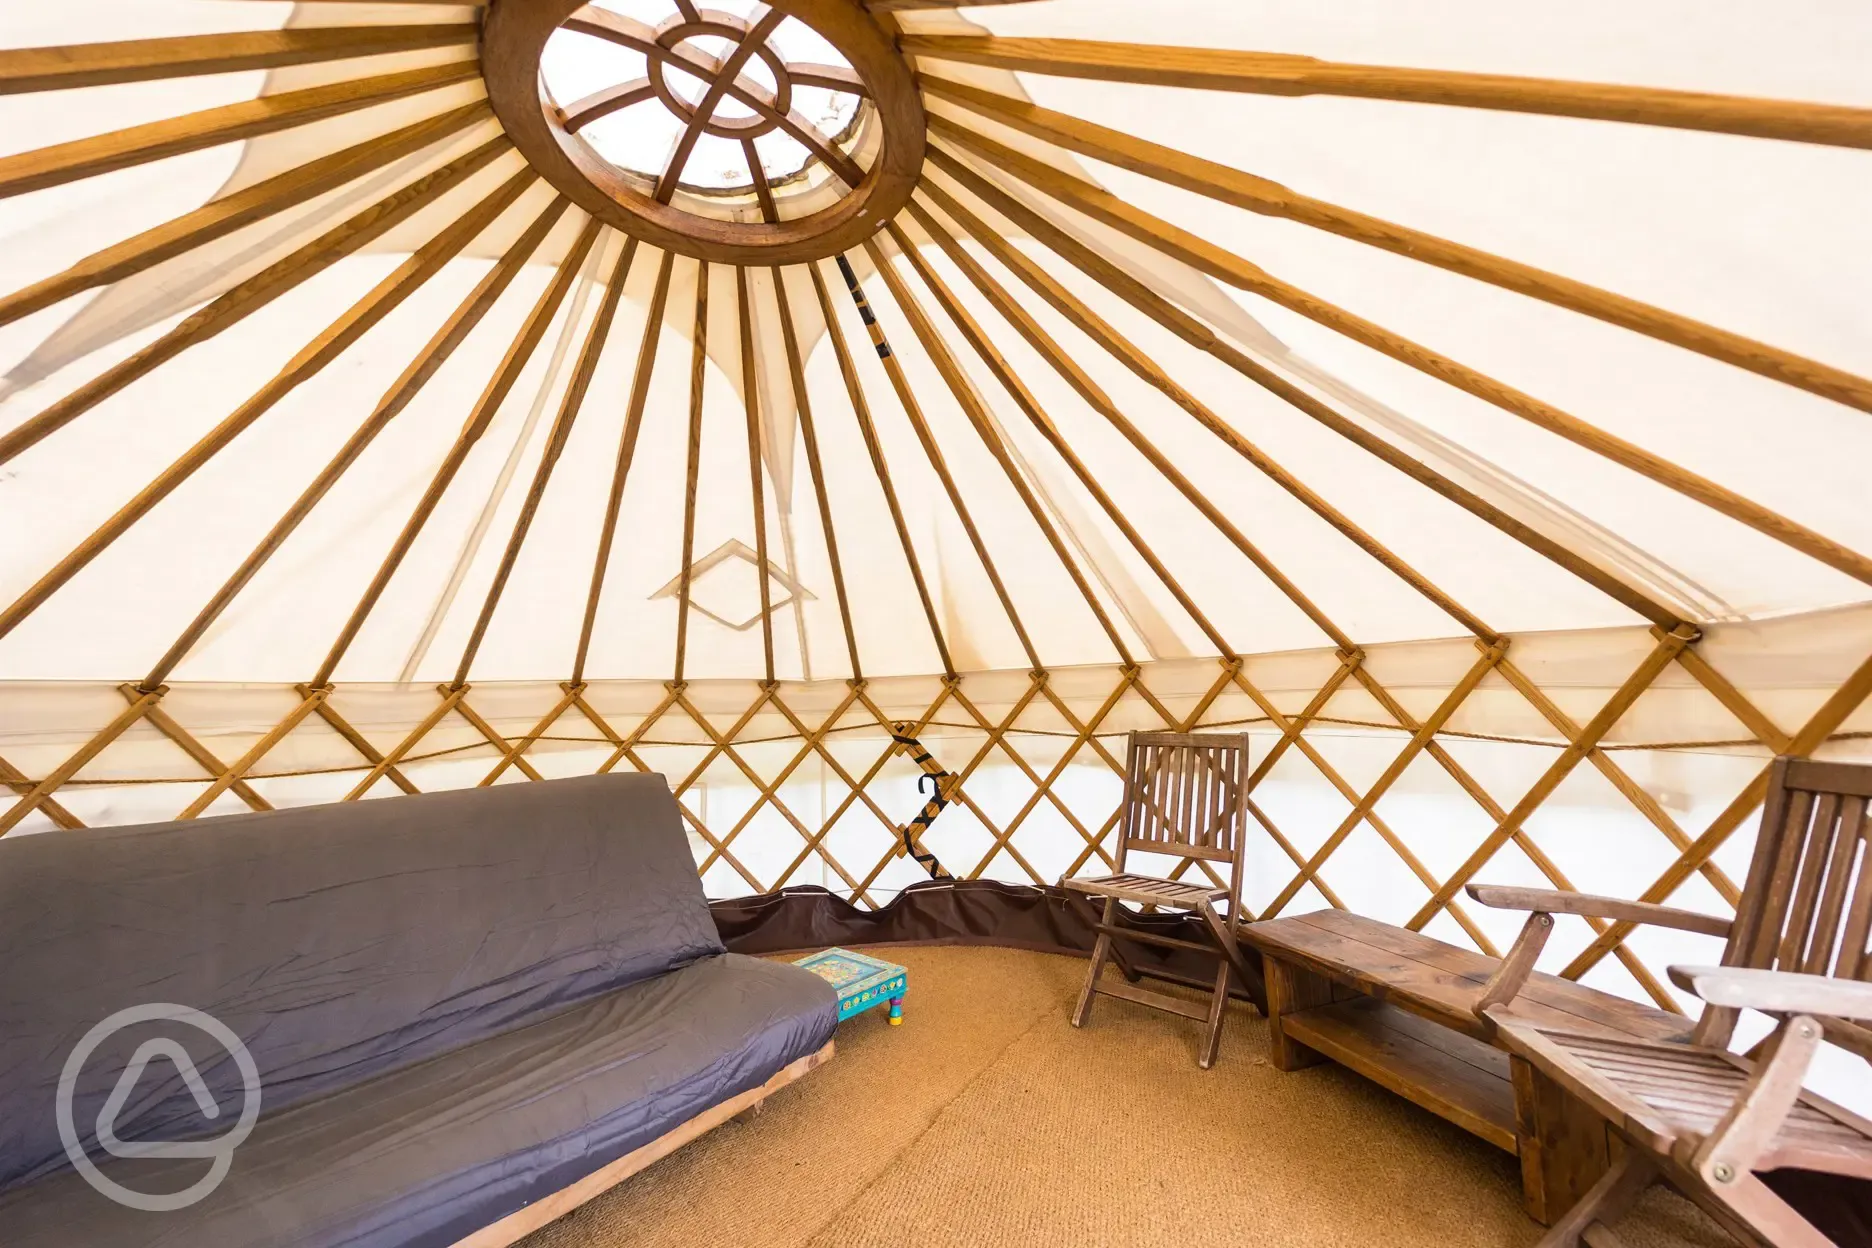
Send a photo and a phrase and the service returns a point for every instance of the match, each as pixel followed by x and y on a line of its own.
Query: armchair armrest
pixel 1777 992
pixel 1551 901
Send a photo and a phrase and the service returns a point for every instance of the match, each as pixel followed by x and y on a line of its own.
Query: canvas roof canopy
pixel 1470 399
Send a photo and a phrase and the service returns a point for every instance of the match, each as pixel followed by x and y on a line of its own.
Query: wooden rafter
pixel 698 373
pixel 862 411
pixel 505 377
pixel 913 412
pixel 983 423
pixel 1223 265
pixel 1270 198
pixel 220 217
pixel 1050 350
pixel 750 400
pixel 802 403
pixel 156 140
pixel 627 451
pixel 379 302
pixel 430 359
pixel 1272 73
pixel 1140 362
pixel 184 56
pixel 569 406
pixel 248 297
pixel 1200 336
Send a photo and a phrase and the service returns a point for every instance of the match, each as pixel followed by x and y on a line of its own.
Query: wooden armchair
pixel 1708 1120
pixel 1186 795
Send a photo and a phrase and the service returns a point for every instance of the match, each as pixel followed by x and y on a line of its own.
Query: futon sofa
pixel 467 1011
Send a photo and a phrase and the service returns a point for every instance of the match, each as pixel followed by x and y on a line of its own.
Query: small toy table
pixel 862 982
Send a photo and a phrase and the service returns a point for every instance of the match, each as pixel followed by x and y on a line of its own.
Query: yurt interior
pixel 636 623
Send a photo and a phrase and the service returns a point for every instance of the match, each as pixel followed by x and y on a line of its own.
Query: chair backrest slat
pixel 1808 903
pixel 1855 962
pixel 1186 794
pixel 1807 906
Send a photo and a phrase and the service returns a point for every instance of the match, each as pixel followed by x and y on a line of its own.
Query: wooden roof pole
pixel 234 305
pixel 569 406
pixel 627 451
pixel 750 393
pixel 480 416
pixel 378 303
pixel 1023 398
pixel 1139 362
pixel 698 372
pixel 1225 266
pixel 796 372
pixel 906 397
pixel 223 216
pixel 1260 195
pixel 1200 336
pixel 983 423
pixel 187 56
pixel 1100 402
pixel 1271 73
pixel 862 410
pixel 433 355
pixel 156 140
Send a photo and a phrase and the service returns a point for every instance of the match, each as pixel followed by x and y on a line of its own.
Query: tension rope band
pixel 941 784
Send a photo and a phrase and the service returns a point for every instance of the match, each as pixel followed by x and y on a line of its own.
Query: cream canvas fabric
pixel 1315 550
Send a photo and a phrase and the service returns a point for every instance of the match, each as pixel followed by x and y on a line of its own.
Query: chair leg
pixel 1231 949
pixel 1217 1007
pixel 1616 1191
pixel 1101 949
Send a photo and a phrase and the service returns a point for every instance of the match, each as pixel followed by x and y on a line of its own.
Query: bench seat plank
pixel 1441 982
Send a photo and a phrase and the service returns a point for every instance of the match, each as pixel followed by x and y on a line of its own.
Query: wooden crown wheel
pixel 658 206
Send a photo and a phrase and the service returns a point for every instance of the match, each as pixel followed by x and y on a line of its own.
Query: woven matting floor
pixel 987 1120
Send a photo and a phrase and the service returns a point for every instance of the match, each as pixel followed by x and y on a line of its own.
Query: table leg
pixel 1289 990
pixel 896 1011
pixel 1564 1145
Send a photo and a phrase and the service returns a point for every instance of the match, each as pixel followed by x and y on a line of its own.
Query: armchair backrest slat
pixel 1807 905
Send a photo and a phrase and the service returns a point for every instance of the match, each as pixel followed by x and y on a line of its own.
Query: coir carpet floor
pixel 987 1120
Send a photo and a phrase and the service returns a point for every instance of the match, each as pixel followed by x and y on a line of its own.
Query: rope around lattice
pixel 941 787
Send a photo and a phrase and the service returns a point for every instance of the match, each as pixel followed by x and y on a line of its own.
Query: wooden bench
pixel 1398 1007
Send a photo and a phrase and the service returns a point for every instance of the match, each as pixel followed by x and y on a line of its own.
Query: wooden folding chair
pixel 1186 795
pixel 1710 1121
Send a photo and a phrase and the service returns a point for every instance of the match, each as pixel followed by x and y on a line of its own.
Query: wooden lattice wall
pixel 850 737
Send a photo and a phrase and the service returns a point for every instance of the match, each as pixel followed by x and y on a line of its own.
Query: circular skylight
pixel 734 98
